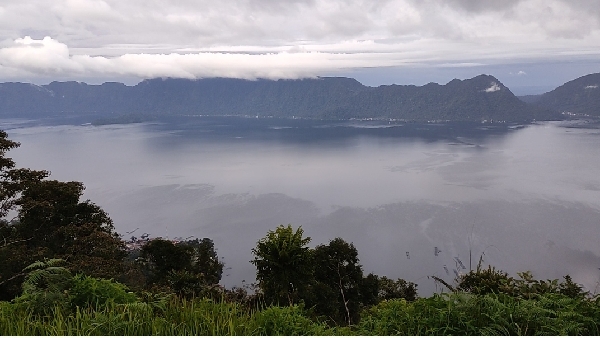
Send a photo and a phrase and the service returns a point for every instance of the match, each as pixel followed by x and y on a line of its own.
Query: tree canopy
pixel 338 277
pixel 283 263
pixel 189 267
pixel 51 222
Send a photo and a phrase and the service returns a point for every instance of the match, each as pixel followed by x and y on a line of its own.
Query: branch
pixel 14 242
pixel 343 295
pixel 13 277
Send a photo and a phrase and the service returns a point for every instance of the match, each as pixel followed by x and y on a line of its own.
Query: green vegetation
pixel 188 268
pixel 446 314
pixel 322 98
pixel 65 271
pixel 284 265
pixel 579 97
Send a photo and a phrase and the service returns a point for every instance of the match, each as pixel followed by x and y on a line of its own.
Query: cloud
pixel 51 59
pixel 478 6
pixel 48 56
pixel 85 23
pixel 519 73
pixel 357 33
pixel 45 56
pixel 493 88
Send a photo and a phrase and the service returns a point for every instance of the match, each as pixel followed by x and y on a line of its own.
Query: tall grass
pixel 492 314
pixel 452 314
pixel 177 318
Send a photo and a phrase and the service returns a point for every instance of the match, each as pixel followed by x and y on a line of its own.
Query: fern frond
pixel 35 265
pixel 54 262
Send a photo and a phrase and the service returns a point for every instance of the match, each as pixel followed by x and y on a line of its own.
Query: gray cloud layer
pixel 291 39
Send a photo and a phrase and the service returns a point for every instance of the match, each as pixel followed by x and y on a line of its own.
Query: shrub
pixel 491 314
pixel 88 291
pixel 285 321
pixel 45 286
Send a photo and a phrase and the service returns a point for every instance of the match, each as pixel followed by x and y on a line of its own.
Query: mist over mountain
pixel 577 97
pixel 482 98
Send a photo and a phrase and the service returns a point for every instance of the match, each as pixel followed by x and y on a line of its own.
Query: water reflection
pixel 527 197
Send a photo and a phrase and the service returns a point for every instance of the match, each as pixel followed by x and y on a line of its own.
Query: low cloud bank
pixel 29 59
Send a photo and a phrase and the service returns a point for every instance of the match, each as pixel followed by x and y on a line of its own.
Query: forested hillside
pixel 578 97
pixel 482 98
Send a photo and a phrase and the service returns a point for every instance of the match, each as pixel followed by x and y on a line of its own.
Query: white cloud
pixel 494 87
pixel 51 59
pixel 48 56
pixel 519 73
pixel 591 87
pixel 368 33
pixel 45 56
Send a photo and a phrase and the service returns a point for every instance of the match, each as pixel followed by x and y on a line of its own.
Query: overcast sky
pixel 530 45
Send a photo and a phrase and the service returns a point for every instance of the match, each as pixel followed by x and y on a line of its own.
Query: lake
pixel 520 197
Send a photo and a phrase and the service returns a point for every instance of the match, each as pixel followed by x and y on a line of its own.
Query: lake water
pixel 520 197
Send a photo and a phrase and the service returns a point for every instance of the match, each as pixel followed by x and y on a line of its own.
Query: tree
pixel 160 257
pixel 63 227
pixel 338 277
pixel 395 289
pixel 188 268
pixel 204 259
pixel 51 222
pixel 12 180
pixel 369 290
pixel 284 265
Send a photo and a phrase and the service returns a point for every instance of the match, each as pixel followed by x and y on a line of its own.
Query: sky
pixel 531 46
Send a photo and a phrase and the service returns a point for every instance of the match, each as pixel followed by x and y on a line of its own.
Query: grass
pixel 448 314
pixel 467 314
pixel 177 318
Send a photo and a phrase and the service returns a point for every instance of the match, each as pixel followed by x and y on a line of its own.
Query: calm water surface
pixel 521 197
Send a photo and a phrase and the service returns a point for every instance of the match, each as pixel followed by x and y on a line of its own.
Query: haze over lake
pixel 521 197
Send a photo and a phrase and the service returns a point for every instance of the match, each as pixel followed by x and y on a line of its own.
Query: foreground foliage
pixel 490 314
pixel 173 317
pixel 56 303
pixel 446 314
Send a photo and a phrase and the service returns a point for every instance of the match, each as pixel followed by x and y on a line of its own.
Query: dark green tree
pixel 338 277
pixel 62 226
pixel 12 180
pixel 161 256
pixel 205 259
pixel 395 289
pixel 284 265
pixel 51 222
pixel 369 290
pixel 189 268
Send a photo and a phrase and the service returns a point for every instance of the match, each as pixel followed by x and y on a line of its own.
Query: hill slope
pixel 580 96
pixel 477 99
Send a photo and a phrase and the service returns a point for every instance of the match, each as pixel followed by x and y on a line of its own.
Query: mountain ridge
pixel 578 97
pixel 482 98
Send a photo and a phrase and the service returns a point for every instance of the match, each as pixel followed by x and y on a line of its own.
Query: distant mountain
pixel 482 98
pixel 530 98
pixel 578 97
